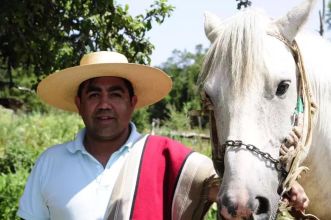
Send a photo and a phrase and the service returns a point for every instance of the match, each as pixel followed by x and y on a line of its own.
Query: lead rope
pixel 296 147
pixel 302 132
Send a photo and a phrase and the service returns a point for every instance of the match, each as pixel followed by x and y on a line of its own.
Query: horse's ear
pixel 212 24
pixel 290 24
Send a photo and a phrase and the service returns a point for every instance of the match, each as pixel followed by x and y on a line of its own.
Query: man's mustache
pixel 104 113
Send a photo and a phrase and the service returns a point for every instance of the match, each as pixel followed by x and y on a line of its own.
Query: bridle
pixel 287 166
pixel 218 151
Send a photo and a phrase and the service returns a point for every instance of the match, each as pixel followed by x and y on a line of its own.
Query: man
pixel 110 171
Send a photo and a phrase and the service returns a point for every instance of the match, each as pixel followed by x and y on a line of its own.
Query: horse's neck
pixel 316 53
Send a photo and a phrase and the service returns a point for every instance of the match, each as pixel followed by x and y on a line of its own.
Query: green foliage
pixel 177 120
pixel 22 138
pixel 22 93
pixel 328 14
pixel 183 67
pixel 160 110
pixel 212 213
pixel 41 37
pixel 11 188
pixel 38 130
pixel 141 119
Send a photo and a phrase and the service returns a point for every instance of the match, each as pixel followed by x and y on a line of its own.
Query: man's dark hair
pixel 127 83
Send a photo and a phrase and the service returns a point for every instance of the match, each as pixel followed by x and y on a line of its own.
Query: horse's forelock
pixel 237 49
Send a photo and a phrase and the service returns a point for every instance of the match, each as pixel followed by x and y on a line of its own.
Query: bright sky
pixel 184 29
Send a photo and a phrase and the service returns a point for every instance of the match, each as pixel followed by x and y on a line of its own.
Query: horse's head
pixel 250 79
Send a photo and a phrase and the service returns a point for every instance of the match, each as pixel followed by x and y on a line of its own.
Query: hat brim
pixel 60 88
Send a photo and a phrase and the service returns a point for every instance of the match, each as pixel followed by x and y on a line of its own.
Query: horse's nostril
pixel 263 206
pixel 231 207
pixel 244 207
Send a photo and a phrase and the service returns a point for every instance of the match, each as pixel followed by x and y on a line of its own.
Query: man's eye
pixel 116 94
pixel 93 95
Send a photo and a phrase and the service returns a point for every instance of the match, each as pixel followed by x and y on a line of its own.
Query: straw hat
pixel 60 88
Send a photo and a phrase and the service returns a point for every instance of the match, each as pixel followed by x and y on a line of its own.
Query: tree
pixel 328 15
pixel 243 3
pixel 42 36
pixel 183 67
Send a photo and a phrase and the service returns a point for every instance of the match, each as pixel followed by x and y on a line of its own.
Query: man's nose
pixel 104 102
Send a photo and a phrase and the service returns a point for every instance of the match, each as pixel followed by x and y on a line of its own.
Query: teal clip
pixel 300 107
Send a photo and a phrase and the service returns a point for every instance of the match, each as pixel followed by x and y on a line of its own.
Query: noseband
pixel 218 150
pixel 239 144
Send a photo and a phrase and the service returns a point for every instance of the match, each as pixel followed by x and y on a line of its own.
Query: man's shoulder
pixel 57 150
pixel 53 157
pixel 163 139
pixel 176 146
pixel 173 148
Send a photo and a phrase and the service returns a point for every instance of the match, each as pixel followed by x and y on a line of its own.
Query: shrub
pixel 11 188
pixel 22 138
pixel 178 120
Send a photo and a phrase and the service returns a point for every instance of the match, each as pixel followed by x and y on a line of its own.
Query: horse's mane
pixel 238 46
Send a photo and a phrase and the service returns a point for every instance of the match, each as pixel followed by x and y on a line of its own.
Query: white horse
pixel 250 78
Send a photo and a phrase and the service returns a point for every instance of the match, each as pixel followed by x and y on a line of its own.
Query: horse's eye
pixel 208 105
pixel 282 87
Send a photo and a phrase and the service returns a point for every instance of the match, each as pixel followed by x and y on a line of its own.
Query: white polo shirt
pixel 69 183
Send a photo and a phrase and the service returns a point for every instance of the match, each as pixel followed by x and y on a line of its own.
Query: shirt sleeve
pixel 32 204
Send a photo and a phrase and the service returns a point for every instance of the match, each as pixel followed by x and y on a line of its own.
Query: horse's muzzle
pixel 232 208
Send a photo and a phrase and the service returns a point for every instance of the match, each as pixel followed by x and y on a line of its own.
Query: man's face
pixel 105 107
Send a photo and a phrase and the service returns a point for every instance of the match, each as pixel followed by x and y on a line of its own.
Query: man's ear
pixel 134 100
pixel 77 102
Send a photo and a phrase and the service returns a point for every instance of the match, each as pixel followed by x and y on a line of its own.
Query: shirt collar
pixel 133 137
pixel 77 143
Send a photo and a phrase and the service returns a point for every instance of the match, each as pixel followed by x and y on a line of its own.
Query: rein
pixel 292 153
pixel 304 120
